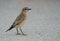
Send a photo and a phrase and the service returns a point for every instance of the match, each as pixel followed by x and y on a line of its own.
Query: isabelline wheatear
pixel 20 20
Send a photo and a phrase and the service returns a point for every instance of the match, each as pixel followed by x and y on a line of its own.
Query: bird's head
pixel 26 8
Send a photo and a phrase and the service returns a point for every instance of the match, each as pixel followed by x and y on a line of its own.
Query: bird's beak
pixel 29 9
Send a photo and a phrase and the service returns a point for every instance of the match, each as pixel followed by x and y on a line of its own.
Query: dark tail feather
pixel 10 28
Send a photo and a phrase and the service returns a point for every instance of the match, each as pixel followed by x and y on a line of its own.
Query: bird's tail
pixel 10 28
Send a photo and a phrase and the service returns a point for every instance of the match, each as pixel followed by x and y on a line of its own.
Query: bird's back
pixel 19 19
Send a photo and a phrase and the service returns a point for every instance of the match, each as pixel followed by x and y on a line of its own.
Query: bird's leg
pixel 17 32
pixel 22 32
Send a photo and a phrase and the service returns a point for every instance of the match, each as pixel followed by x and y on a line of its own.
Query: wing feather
pixel 18 20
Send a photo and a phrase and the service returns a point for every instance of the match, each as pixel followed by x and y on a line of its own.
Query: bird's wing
pixel 18 20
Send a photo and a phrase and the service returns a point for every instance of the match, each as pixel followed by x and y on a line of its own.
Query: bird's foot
pixel 24 34
pixel 18 34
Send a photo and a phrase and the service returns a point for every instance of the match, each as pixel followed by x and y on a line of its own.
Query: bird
pixel 20 20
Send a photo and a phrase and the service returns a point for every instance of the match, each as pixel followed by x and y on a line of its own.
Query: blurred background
pixel 43 22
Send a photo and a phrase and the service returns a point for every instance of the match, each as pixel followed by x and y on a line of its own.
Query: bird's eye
pixel 25 9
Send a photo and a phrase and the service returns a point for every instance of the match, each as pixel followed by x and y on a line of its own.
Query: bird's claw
pixel 18 34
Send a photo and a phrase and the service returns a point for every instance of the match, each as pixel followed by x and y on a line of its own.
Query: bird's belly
pixel 20 24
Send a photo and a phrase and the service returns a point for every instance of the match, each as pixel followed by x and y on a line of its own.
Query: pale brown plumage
pixel 20 20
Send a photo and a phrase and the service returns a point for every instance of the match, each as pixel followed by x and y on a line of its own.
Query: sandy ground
pixel 43 22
